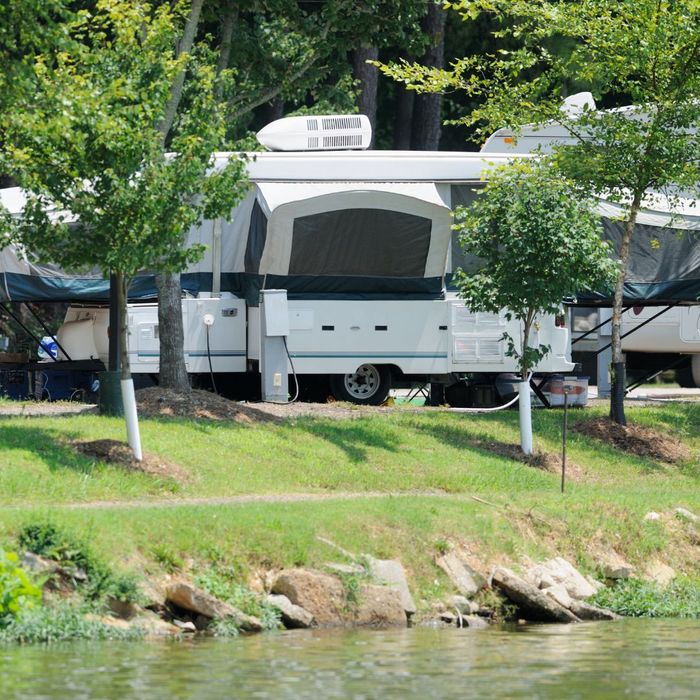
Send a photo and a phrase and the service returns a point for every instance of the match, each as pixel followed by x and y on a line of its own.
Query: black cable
pixel 211 371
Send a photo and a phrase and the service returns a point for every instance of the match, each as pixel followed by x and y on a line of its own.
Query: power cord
pixel 211 371
pixel 294 374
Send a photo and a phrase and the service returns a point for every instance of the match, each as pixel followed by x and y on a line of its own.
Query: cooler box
pixel 577 390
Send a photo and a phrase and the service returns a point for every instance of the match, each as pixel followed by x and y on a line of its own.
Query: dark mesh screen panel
pixel 360 242
pixel 463 196
pixel 257 234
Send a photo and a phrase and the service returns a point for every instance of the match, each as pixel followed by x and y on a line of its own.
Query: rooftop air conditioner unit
pixel 323 133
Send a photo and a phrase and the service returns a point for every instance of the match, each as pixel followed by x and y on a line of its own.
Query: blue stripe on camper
pixel 383 355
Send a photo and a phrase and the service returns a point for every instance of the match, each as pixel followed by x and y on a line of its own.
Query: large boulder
pixel 390 572
pixel 532 603
pixel 293 616
pixel 465 579
pixel 377 606
pixel 560 571
pixel 585 611
pixel 325 597
pixel 199 602
pixel 320 594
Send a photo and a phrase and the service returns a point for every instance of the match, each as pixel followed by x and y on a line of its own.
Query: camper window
pixel 360 242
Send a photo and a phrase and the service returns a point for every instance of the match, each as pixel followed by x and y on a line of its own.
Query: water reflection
pixel 632 658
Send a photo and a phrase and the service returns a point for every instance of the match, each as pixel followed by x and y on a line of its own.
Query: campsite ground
pixel 258 490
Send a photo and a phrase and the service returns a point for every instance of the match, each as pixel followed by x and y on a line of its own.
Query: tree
pixel 640 52
pixel 86 144
pixel 538 241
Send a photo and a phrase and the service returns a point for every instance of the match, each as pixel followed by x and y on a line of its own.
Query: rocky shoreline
pixel 367 592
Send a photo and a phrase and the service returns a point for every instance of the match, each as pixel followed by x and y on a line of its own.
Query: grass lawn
pixel 426 463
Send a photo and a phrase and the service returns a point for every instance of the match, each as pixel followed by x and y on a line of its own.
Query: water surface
pixel 631 658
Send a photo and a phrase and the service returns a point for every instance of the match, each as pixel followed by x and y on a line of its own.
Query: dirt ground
pixel 120 454
pixel 635 439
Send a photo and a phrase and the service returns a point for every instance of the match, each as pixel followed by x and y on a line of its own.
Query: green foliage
pixel 537 239
pixel 87 143
pixel 167 557
pixel 638 598
pixel 17 592
pixel 48 540
pixel 223 582
pixel 60 623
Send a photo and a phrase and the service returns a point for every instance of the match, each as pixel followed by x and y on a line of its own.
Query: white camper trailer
pixel 664 271
pixel 362 245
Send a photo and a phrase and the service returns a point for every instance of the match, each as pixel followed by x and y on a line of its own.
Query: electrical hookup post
pixel 274 325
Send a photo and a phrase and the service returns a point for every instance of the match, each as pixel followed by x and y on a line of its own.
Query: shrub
pixel 637 598
pixel 60 623
pixel 48 540
pixel 17 592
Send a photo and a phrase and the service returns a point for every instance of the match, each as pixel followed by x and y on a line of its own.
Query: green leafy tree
pixel 88 144
pixel 640 52
pixel 538 241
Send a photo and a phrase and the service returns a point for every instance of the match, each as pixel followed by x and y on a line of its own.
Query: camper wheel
pixel 368 384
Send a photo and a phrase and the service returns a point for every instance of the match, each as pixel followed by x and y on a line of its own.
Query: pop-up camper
pixel 361 245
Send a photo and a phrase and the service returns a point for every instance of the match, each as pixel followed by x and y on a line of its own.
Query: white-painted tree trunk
pixel 132 421
pixel 525 416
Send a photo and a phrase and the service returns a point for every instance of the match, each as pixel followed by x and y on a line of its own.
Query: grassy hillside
pixel 422 481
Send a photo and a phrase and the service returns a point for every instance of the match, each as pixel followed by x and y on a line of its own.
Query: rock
pixel 463 605
pixel 467 581
pixel 202 622
pixel 345 569
pixel 320 594
pixel 448 618
pixel 560 571
pixel 194 600
pixel 685 514
pixel 378 606
pixel 153 594
pixel 114 622
pixel 475 622
pixel 185 626
pixel 559 594
pixel 293 616
pixel 154 626
pixel 532 603
pixel 39 565
pixel 390 572
pixel 124 609
pixel 614 566
pixel 596 584
pixel 660 573
pixel 652 515
pixel 585 611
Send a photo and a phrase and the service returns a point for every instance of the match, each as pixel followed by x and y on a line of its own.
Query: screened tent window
pixel 257 234
pixel 361 242
pixel 463 195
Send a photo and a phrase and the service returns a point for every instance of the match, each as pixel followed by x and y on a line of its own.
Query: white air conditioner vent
pixel 349 141
pixel 341 123
pixel 345 131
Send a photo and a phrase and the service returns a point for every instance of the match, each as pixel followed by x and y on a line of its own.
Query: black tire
pixel 684 377
pixel 368 385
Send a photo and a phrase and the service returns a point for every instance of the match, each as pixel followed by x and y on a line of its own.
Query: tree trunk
pixel 403 121
pixel 121 286
pixel 368 78
pixel 228 22
pixel 617 394
pixel 173 373
pixel 171 336
pixel 427 124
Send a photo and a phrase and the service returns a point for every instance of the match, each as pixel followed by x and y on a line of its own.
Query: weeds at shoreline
pixel 637 598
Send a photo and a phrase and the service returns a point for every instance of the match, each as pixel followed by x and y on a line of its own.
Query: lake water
pixel 631 658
